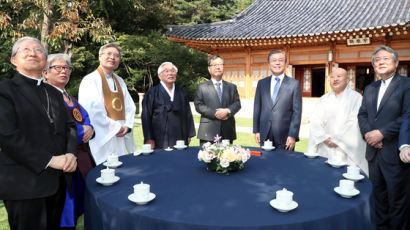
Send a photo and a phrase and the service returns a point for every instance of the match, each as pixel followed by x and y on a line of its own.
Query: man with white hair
pixel 334 131
pixel 111 109
pixel 166 115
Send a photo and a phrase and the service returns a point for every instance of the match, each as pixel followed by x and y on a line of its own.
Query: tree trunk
pixel 45 27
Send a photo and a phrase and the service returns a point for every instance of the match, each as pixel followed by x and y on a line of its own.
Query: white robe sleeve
pixel 317 133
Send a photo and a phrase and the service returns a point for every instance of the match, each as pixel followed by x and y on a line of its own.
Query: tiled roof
pixel 291 18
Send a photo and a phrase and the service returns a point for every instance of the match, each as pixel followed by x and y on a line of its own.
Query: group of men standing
pixel 38 137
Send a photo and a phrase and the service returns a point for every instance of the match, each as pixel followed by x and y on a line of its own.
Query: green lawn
pixel 244 139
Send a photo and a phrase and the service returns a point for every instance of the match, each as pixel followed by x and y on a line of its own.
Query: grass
pixel 244 139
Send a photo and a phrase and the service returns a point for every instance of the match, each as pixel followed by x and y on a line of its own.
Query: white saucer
pixel 353 193
pixel 139 152
pixel 107 183
pixel 335 165
pixel 358 177
pixel 268 148
pixel 275 205
pixel 115 165
pixel 180 147
pixel 169 149
pixel 132 198
pixel 311 155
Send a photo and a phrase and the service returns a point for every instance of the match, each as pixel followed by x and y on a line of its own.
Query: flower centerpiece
pixel 222 157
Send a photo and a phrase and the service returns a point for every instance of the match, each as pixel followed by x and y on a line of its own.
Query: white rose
pixel 224 162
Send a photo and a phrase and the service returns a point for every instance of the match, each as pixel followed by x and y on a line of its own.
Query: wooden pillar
pixel 248 76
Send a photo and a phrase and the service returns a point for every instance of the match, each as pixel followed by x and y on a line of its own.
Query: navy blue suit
pixel 281 119
pixel 386 171
pixel 404 137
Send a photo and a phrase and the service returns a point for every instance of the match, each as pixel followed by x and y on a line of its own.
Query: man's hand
pixel 290 143
pixel 88 133
pixel 123 131
pixel 71 163
pixel 374 137
pixel 222 113
pixel 151 142
pixel 405 154
pixel 189 140
pixel 58 162
pixel 329 143
pixel 258 138
pixel 66 162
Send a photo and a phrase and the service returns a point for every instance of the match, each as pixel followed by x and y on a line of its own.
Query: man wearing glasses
pixel 217 101
pixel 111 109
pixel 38 142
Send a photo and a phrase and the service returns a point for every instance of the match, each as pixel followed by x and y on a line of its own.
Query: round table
pixel 189 197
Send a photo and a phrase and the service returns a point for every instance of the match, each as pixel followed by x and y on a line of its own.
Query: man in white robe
pixel 334 131
pixel 113 134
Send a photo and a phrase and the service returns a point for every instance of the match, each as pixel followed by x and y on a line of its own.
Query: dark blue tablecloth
pixel 188 197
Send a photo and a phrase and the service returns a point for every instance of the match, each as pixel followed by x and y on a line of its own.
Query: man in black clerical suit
pixel 380 115
pixel 37 140
pixel 166 115
pixel 217 101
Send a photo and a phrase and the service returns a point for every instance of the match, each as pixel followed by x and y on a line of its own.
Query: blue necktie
pixel 219 91
pixel 275 90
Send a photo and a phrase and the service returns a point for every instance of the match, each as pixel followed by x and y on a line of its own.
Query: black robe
pixel 166 121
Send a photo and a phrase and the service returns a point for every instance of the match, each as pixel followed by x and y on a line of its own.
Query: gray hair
pixel 277 52
pixel 58 56
pixel 16 45
pixel 100 52
pixel 213 58
pixel 166 63
pixel 388 49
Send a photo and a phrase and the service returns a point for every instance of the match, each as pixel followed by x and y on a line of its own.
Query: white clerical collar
pixel 42 79
pixel 170 93
pixel 108 75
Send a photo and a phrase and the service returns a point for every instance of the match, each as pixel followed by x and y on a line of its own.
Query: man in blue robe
pixel 166 115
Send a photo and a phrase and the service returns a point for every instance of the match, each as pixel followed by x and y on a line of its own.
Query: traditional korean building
pixel 317 35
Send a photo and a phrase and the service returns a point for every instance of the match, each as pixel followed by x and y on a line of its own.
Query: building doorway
pixel 364 76
pixel 318 82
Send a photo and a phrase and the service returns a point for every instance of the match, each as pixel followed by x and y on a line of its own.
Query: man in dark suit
pixel 380 116
pixel 217 101
pixel 404 138
pixel 278 106
pixel 38 142
pixel 166 114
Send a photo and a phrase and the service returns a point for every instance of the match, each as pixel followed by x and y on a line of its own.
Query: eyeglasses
pixel 384 59
pixel 31 50
pixel 110 54
pixel 277 60
pixel 169 71
pixel 217 65
pixel 60 68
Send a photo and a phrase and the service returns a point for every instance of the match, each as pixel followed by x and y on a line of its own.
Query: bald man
pixel 334 131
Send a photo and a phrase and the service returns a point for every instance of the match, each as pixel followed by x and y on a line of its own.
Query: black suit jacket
pixel 387 118
pixel 206 102
pixel 28 140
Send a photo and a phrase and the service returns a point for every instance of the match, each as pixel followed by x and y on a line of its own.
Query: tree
pixel 59 23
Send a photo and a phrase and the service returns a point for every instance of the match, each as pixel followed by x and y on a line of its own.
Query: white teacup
pixel 346 186
pixel 284 197
pixel 334 160
pixel 180 143
pixel 353 171
pixel 267 144
pixel 146 148
pixel 112 159
pixel 226 142
pixel 107 174
pixel 141 191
